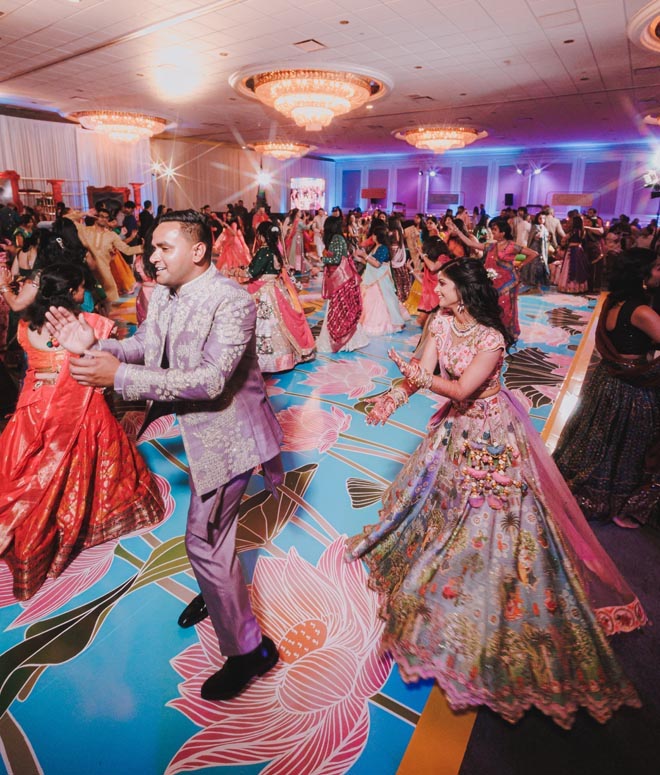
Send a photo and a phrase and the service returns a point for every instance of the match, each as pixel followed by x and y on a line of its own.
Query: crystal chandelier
pixel 312 98
pixel 282 150
pixel 439 139
pixel 119 126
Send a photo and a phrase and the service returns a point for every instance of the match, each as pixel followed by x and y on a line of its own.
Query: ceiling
pixel 529 72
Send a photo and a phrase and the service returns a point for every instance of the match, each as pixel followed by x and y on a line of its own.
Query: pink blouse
pixel 457 349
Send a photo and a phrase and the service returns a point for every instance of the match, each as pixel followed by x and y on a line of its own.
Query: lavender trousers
pixel 211 547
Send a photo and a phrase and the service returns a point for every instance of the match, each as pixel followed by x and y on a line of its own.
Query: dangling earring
pixel 461 308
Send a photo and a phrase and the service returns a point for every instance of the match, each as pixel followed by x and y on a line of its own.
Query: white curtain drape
pixel 38 149
pixel 47 150
pixel 205 173
pixel 109 163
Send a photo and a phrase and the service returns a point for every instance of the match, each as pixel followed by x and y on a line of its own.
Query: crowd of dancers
pixel 490 579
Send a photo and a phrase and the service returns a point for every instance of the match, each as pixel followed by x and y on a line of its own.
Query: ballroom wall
pixel 207 173
pixel 611 174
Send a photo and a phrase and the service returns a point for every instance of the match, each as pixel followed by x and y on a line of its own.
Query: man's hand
pixel 95 369
pixel 74 334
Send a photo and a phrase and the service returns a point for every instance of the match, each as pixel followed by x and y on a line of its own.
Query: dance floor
pixel 98 678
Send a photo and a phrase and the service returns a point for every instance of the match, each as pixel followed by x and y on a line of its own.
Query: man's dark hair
pixel 129 204
pixel 147 204
pixel 100 210
pixel 194 224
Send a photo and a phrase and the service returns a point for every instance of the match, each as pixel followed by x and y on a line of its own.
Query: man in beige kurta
pixel 102 243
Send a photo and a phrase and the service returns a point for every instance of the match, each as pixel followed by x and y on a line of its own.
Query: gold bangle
pixel 422 379
pixel 398 395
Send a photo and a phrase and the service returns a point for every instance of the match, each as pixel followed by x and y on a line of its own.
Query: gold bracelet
pixel 398 395
pixel 423 379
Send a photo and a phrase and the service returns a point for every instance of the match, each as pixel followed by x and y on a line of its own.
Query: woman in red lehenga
pixel 69 476
pixel 233 253
pixel 500 257
pixel 341 330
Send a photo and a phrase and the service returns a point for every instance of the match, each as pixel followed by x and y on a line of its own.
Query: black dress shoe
pixel 194 612
pixel 238 671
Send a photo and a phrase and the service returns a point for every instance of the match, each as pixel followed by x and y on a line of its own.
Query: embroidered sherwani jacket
pixel 196 351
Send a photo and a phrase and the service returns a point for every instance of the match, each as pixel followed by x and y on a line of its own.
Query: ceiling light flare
pixel 120 126
pixel 439 139
pixel 282 150
pixel 312 98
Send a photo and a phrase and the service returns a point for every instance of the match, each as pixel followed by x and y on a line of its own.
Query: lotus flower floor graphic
pixel 95 676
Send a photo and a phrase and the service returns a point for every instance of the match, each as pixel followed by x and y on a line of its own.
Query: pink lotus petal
pixel 320 754
pixel 239 739
pixel 307 427
pixel 161 428
pixel 6 586
pixel 343 377
pixel 309 714
pixel 540 332
pixel 191 661
pixel 375 670
pixel 84 571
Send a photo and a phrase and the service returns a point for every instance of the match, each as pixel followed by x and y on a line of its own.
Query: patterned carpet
pixel 98 678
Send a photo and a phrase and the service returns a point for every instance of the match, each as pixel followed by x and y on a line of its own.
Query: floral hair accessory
pixel 492 274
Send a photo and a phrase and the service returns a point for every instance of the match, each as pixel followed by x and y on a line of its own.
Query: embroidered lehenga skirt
pixel 479 557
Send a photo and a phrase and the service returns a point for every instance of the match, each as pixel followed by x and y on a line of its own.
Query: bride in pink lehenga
pixel 232 252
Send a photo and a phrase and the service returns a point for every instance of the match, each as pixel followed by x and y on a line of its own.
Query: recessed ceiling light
pixel 584 78
pixel 224 53
pixel 464 118
pixel 418 67
pixel 569 40
pixel 370 107
pixel 463 94
pixel 344 21
pixel 140 75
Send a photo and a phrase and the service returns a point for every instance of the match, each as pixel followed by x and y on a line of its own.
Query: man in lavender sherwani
pixel 195 355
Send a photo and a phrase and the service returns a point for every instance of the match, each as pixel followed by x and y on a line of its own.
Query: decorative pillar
pixel 137 196
pixel 56 185
pixel 13 177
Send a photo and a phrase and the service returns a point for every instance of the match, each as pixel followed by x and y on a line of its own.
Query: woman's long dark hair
pixel 333 225
pixel 383 238
pixel 270 232
pixel 629 272
pixel 56 286
pixel 477 292
pixel 576 233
